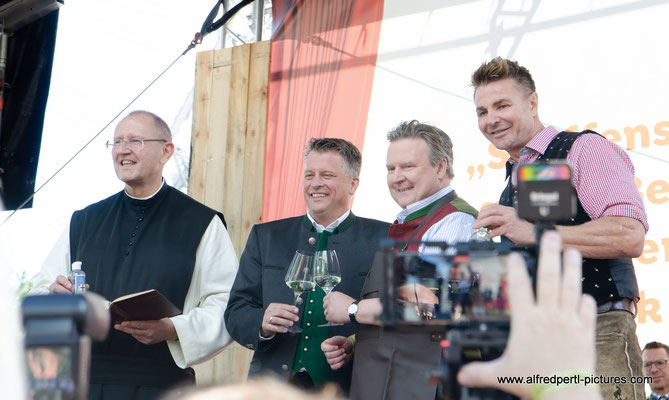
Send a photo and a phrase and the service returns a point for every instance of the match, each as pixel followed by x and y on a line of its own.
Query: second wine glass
pixel 327 273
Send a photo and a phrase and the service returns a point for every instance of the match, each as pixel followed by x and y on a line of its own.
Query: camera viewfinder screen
pixel 439 289
pixel 50 373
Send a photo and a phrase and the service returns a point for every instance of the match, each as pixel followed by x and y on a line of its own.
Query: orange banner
pixel 323 57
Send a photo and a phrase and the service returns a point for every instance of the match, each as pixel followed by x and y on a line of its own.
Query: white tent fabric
pixel 597 65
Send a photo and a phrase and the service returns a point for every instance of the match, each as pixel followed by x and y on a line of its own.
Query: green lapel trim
pixel 463 206
pixel 422 212
pixel 307 223
pixel 458 203
pixel 347 223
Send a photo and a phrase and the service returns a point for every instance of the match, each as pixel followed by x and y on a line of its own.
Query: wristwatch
pixel 352 310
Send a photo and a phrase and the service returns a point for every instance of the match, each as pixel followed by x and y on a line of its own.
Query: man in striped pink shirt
pixel 610 224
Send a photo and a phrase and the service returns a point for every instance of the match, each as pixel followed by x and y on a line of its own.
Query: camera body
pixel 545 193
pixel 458 290
pixel 59 329
pixel 457 285
pixel 458 293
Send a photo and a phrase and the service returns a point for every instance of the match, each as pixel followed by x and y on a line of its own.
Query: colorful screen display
pixel 545 172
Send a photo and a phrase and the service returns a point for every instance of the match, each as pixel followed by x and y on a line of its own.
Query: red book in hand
pixel 143 306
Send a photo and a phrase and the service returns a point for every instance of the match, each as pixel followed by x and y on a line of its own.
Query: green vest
pixel 308 354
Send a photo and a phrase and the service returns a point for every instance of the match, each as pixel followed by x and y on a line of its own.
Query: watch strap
pixel 351 315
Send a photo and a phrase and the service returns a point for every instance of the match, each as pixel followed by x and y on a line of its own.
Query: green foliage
pixel 25 284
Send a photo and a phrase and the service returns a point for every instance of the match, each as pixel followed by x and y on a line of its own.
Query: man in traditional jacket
pixel 260 307
pixel 609 227
pixel 148 236
pixel 388 364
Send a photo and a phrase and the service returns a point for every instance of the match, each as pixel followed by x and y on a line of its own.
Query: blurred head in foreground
pixel 265 388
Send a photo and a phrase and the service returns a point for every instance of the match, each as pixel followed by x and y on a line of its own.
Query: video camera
pixel 59 329
pixel 459 291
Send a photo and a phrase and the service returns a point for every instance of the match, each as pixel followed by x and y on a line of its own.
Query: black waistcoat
pixel 126 246
pixel 603 279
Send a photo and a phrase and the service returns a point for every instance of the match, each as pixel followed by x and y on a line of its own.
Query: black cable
pixel 226 17
pixel 92 139
pixel 210 26
pixel 212 14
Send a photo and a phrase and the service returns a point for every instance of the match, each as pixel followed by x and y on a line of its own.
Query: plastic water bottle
pixel 77 278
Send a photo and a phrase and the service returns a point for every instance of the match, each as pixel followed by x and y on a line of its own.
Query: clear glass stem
pixel 295 328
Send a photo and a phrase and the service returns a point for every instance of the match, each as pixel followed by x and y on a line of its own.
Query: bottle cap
pixel 76 265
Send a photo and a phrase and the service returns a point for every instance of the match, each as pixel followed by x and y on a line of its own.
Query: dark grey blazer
pixel 260 281
pixel 392 365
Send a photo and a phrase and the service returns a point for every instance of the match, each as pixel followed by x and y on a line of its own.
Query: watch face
pixel 353 308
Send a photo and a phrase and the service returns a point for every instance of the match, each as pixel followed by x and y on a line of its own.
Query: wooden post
pixel 227 160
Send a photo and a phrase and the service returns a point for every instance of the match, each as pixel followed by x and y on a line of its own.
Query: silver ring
pixel 270 319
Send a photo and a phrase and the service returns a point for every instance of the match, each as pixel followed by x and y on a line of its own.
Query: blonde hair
pixel 500 68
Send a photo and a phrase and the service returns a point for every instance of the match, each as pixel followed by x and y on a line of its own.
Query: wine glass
pixel 480 235
pixel 327 273
pixel 300 278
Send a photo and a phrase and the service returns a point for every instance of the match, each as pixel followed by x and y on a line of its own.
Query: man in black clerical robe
pixel 148 236
pixel 260 306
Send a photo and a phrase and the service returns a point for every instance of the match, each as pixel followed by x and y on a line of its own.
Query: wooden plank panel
pixel 236 128
pixel 251 195
pixel 256 124
pixel 200 128
pixel 227 158
pixel 199 138
pixel 217 146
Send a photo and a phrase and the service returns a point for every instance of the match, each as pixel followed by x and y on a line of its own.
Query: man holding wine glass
pixel 269 310
pixel 393 365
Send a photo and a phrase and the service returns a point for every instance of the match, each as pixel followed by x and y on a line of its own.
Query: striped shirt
pixel 603 175
pixel 455 227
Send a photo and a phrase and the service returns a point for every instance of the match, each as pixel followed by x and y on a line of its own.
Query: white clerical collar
pixel 148 197
pixel 330 228
pixel 422 203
